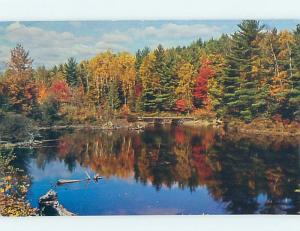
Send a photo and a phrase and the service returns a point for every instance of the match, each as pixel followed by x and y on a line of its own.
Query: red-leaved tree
pixel 181 105
pixel 60 91
pixel 201 86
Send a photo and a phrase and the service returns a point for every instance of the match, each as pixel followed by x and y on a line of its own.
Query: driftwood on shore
pixel 49 206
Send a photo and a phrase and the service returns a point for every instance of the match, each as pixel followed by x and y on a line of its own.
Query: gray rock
pixel 49 205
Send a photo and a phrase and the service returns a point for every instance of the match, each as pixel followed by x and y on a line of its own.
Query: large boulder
pixel 49 205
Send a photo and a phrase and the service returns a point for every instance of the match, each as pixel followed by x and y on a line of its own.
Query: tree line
pixel 252 73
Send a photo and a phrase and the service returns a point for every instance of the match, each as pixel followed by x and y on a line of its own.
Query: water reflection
pixel 245 175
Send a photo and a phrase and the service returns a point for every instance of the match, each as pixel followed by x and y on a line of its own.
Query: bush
pixel 15 127
pixel 79 115
pixel 50 111
pixel 13 188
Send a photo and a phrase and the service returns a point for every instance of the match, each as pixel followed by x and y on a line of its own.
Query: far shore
pixel 262 128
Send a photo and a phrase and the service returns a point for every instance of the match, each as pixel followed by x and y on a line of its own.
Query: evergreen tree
pixel 294 94
pixel 84 76
pixel 164 95
pixel 139 56
pixel 136 94
pixel 240 82
pixel 70 70
pixel 193 53
pixel 149 100
pixel 150 83
pixel 3 97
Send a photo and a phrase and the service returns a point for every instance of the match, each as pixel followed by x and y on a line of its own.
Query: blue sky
pixel 53 42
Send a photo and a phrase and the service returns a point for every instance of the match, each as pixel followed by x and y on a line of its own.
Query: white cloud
pixel 47 47
pixel 175 31
pixel 117 37
pixel 52 47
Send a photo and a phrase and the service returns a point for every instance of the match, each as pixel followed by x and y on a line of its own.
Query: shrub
pixel 15 127
pixel 13 187
pixel 50 111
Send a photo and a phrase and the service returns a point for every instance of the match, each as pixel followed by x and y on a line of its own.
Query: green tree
pixel 84 75
pixel 164 96
pixel 71 73
pixel 137 97
pixel 294 94
pixel 240 81
pixel 150 83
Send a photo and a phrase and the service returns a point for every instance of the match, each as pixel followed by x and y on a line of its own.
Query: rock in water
pixel 49 205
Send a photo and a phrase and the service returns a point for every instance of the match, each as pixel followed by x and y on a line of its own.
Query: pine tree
pixel 240 82
pixel 294 94
pixel 139 57
pixel 150 83
pixel 164 95
pixel 84 76
pixel 70 70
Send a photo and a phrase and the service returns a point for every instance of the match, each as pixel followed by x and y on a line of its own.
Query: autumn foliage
pixel 181 105
pixel 201 85
pixel 247 75
pixel 60 91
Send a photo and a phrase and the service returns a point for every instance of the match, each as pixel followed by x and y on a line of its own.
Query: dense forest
pixel 252 73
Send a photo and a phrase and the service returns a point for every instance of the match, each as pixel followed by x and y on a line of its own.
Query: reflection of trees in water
pixel 105 154
pixel 235 170
pixel 242 171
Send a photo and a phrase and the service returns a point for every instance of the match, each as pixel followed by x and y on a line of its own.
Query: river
pixel 165 170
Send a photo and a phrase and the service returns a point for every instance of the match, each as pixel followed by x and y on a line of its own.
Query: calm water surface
pixel 170 170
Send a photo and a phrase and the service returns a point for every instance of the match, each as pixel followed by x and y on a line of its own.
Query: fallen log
pixel 61 182
pixel 49 205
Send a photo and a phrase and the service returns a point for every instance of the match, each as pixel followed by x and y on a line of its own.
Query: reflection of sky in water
pixel 226 175
pixel 117 196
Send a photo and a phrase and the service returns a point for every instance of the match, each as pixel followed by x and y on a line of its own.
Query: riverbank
pixel 265 127
pixel 262 127
pixel 256 127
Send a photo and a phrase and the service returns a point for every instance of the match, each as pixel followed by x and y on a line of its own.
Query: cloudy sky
pixel 53 42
